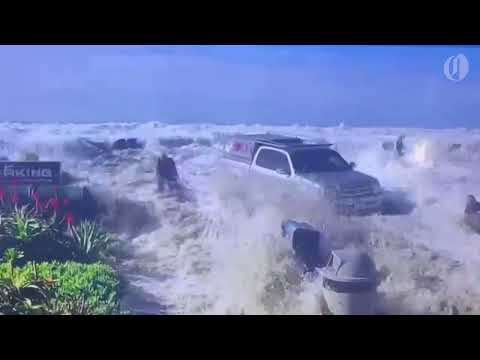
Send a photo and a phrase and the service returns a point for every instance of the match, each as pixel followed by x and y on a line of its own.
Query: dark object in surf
pixel 454 147
pixel 388 145
pixel 312 249
pixel 166 172
pixel 399 145
pixel 124 144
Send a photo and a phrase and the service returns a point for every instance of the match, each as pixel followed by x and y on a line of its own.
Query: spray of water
pixel 222 252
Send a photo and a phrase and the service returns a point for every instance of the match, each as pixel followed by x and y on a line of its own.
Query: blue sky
pixel 318 85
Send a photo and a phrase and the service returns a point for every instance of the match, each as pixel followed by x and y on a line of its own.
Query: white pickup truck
pixel 290 161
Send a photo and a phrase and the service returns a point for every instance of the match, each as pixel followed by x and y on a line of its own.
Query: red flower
pixel 15 198
pixel 70 219
pixel 237 146
pixel 38 206
pixel 54 203
pixel 35 196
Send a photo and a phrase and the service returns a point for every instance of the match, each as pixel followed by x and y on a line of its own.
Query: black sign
pixel 35 172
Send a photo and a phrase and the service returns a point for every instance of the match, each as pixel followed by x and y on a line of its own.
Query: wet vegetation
pixel 51 265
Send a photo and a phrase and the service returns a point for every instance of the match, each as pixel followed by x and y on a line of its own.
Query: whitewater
pixel 218 250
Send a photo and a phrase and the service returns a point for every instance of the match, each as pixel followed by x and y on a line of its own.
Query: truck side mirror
pixel 353 165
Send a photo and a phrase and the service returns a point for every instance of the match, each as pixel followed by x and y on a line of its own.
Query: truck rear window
pixel 318 160
pixel 273 160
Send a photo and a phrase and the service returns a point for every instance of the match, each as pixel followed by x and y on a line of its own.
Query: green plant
pixel 20 294
pixel 74 306
pixel 5 240
pixel 10 256
pixel 2 225
pixel 88 241
pixel 74 288
pixel 40 237
pixel 24 227
pixel 28 299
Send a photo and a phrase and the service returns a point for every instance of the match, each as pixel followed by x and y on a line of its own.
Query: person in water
pixel 399 146
pixel 167 175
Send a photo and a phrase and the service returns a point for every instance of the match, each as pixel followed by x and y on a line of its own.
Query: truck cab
pixel 291 161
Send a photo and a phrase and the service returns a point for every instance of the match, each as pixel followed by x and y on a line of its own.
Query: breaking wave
pixel 220 251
